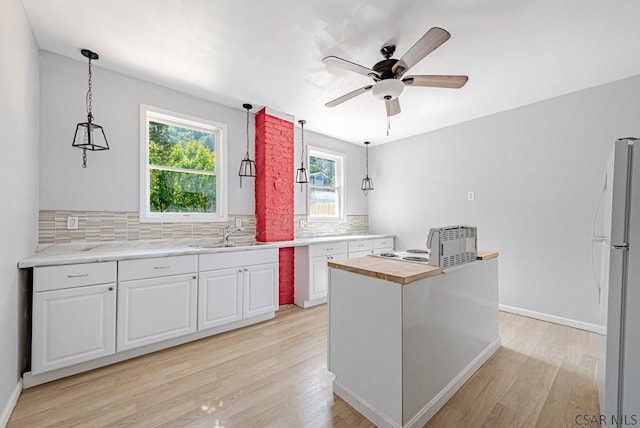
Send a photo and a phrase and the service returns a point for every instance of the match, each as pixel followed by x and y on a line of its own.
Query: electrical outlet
pixel 302 223
pixel 72 223
pixel 471 196
pixel 238 222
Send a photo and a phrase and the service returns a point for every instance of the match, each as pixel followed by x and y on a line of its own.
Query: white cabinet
pixel 152 306
pixel 236 285
pixel 74 314
pixel 260 289
pixel 311 272
pixel 219 297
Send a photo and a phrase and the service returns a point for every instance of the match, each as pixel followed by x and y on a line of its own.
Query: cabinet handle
pixel 162 267
pixel 329 249
pixel 239 270
pixel 110 288
pixel 82 275
pixel 246 270
pixel 194 277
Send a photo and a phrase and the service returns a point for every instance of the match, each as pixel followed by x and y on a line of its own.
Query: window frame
pixel 155 114
pixel 341 189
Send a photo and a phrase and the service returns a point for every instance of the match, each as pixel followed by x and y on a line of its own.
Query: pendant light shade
pixel 301 173
pixel 89 135
pixel 367 182
pixel 247 166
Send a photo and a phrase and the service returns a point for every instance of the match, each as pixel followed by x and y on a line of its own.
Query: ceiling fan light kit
pixel 387 90
pixel 388 74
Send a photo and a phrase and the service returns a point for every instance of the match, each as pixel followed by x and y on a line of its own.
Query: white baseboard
pixel 554 319
pixel 431 408
pixel 361 405
pixel 8 408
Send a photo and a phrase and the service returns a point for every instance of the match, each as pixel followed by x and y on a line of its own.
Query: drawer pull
pixel 330 249
pixel 110 288
pixel 194 277
pixel 82 275
pixel 162 267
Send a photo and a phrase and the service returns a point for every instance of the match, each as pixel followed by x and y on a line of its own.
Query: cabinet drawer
pixel 383 243
pixel 157 266
pixel 237 258
pixel 70 276
pixel 363 245
pixel 327 249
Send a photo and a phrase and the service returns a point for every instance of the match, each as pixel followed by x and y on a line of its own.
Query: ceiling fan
pixel 388 74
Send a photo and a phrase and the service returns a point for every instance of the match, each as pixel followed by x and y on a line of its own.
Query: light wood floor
pixel 274 374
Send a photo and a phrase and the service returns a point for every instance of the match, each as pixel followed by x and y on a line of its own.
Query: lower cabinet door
pixel 219 297
pixel 319 275
pixel 260 289
pixel 73 325
pixel 156 309
pixel 318 283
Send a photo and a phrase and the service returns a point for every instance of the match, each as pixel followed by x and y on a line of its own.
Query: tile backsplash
pixel 109 226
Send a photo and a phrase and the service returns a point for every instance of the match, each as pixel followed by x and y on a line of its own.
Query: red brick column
pixel 274 191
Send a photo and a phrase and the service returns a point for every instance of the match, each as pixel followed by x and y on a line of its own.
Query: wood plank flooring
pixel 274 374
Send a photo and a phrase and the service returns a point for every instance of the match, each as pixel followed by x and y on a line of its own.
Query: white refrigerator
pixel 619 287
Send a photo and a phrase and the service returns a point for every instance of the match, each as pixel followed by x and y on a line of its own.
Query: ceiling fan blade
pixel 423 47
pixel 348 96
pixel 351 66
pixel 435 81
pixel 393 106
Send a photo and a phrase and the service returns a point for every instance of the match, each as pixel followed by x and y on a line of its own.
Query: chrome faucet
pixel 226 233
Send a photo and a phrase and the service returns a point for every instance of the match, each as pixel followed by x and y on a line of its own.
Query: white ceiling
pixel 268 52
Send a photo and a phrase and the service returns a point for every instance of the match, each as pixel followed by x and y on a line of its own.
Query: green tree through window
pixel 182 167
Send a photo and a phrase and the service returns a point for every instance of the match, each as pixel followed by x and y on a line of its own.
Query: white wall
pixel 110 182
pixel 356 202
pixel 18 181
pixel 536 171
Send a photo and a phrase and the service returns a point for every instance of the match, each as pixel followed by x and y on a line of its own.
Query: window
pixel 326 185
pixel 182 167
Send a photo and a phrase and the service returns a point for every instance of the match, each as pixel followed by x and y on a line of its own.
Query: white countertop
pixel 91 252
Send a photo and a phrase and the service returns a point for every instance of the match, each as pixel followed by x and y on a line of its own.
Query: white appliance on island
pixel 619 287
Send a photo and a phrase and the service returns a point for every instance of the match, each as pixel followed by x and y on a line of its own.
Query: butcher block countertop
pixel 396 271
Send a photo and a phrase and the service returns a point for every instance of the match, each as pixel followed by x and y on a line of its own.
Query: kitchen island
pixel 404 337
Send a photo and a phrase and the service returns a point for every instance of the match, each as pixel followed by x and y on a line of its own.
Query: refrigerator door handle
pixel 597 238
pixel 620 246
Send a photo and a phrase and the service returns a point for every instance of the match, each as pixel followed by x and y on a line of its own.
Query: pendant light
pixel 367 183
pixel 89 135
pixel 301 173
pixel 247 166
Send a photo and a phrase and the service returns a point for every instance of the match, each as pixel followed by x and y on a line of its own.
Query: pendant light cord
pixel 89 97
pixel 366 155
pixel 247 156
pixel 302 132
